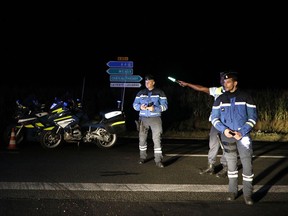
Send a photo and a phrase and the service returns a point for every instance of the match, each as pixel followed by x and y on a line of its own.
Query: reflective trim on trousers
pixel 143 148
pixel 158 150
pixel 248 178
pixel 232 174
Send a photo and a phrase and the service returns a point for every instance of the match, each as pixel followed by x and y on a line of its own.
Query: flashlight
pixel 173 80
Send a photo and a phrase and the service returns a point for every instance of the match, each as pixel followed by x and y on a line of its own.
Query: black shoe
pixel 248 200
pixel 159 164
pixel 222 173
pixel 231 196
pixel 141 161
pixel 210 170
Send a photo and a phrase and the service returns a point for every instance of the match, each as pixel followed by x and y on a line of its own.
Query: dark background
pixel 192 44
pixel 49 50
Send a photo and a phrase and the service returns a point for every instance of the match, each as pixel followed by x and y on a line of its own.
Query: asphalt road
pixel 87 180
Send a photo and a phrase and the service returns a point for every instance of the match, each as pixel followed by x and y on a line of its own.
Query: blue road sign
pixel 120 64
pixel 126 85
pixel 120 71
pixel 125 78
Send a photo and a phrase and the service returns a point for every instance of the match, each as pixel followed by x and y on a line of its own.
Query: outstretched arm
pixel 195 86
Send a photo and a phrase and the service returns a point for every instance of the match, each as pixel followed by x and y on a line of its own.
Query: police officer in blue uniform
pixel 234 115
pixel 150 102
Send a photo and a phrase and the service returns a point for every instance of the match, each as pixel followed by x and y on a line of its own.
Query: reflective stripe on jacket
pixel 235 111
pixel 155 97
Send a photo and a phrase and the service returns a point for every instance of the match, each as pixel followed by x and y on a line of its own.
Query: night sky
pixel 55 48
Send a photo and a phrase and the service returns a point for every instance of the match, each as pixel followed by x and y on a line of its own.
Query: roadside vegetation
pixel 187 116
pixel 272 104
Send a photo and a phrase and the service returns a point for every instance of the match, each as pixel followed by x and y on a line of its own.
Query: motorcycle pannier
pixel 115 122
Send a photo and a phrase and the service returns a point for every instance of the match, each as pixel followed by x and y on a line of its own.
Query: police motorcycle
pixel 28 122
pixel 70 124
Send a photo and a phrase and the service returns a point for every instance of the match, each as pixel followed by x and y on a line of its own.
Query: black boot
pixel 223 172
pixel 248 200
pixel 231 196
pixel 210 170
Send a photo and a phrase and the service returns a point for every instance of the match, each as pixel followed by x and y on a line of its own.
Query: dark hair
pixel 149 77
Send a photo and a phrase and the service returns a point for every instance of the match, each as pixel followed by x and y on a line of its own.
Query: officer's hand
pixel 182 83
pixel 228 133
pixel 237 135
pixel 143 107
pixel 150 108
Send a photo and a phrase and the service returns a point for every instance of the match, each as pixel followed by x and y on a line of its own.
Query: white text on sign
pixel 125 85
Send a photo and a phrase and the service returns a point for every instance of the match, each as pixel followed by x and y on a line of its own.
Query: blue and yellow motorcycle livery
pixel 27 122
pixel 70 124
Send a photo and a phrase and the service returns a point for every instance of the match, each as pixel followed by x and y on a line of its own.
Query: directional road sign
pixel 125 78
pixel 127 85
pixel 120 71
pixel 120 64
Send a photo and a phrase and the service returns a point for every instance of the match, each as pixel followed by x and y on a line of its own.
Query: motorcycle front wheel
pixel 50 139
pixel 108 140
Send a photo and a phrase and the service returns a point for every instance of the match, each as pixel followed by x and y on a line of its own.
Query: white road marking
pixel 205 155
pixel 47 186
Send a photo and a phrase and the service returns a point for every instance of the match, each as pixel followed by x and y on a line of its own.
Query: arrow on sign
pixel 120 71
pixel 123 78
pixel 120 64
pixel 127 85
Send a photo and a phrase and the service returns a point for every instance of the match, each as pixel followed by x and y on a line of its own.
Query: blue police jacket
pixel 155 97
pixel 235 111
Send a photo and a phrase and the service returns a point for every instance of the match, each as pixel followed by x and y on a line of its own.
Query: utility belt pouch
pixel 137 122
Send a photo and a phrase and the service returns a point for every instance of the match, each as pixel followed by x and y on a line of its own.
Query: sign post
pixel 125 78
pixel 121 75
pixel 128 71
pixel 120 64
pixel 125 85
